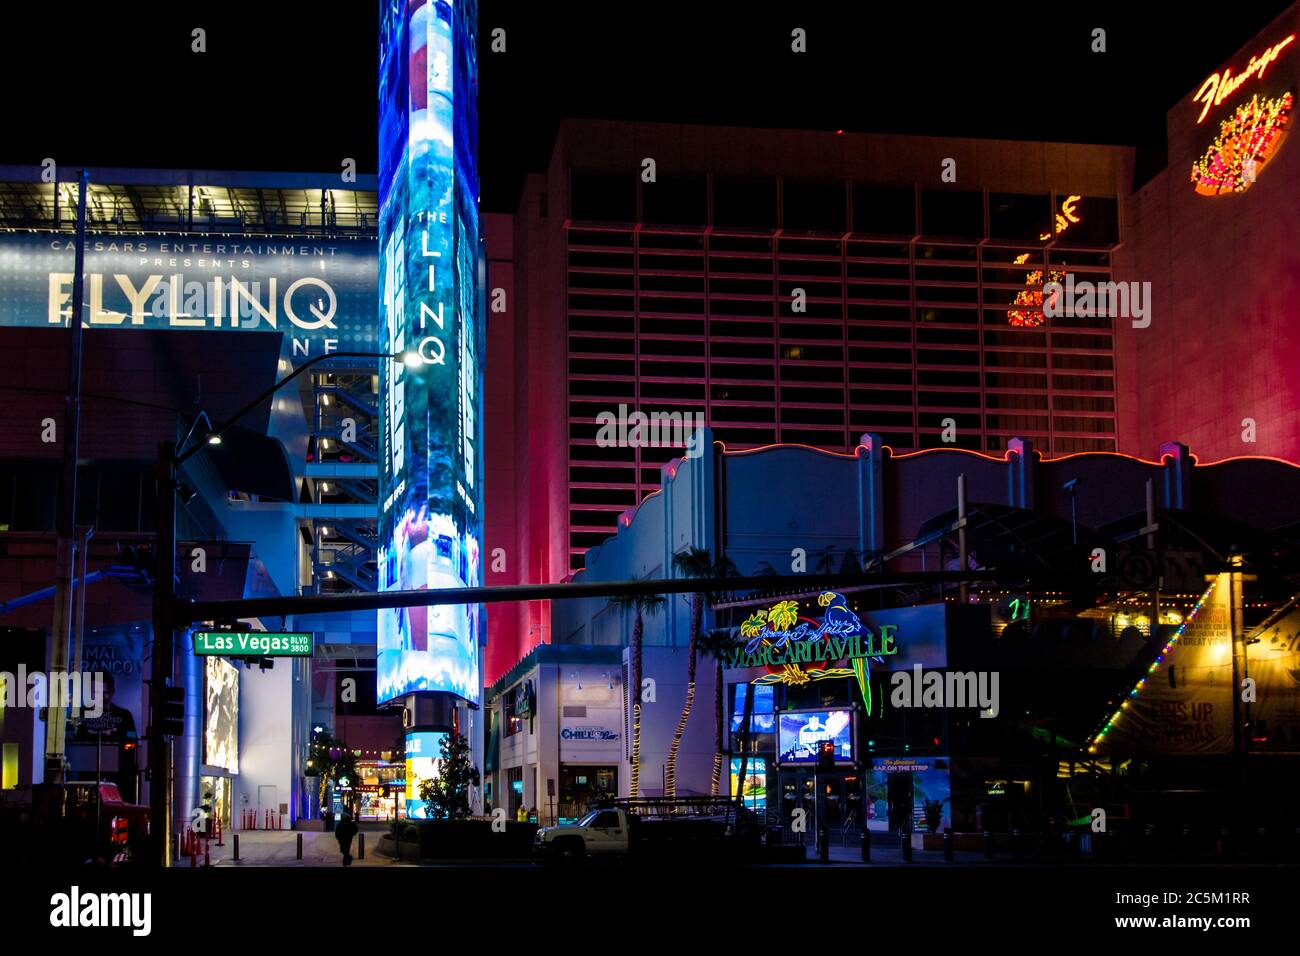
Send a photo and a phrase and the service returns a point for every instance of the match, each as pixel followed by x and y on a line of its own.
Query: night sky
pixel 291 86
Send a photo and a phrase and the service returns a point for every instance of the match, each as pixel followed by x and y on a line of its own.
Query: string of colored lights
pixel 1137 688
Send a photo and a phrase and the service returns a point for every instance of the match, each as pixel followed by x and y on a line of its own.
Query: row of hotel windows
pixel 830 206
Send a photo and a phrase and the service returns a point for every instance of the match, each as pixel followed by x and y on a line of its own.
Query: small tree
pixel 329 759
pixel 447 795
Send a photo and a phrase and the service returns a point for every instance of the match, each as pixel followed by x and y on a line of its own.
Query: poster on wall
pixel 431 462
pixel 909 791
pixel 116 657
pixel 221 715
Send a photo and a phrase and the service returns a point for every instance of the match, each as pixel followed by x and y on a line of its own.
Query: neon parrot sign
pixel 796 650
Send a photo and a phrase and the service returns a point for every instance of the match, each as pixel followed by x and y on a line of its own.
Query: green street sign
pixel 254 643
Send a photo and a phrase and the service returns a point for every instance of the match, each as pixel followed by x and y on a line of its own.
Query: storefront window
pixel 584 788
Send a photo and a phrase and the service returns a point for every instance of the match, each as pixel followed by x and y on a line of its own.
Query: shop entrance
pixel 900 800
pixel 832 799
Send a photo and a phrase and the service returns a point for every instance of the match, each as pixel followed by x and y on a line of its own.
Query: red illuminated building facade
pixel 1222 254
pixel 788 287
pixel 809 287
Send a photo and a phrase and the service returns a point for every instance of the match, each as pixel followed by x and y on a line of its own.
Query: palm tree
pixel 640 605
pixel 693 563
pixel 718 644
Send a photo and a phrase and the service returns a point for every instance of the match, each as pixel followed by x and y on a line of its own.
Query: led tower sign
pixel 430 475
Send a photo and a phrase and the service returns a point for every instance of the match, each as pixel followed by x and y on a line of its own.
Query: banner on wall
pixel 1183 706
pixel 320 293
pixel 118 656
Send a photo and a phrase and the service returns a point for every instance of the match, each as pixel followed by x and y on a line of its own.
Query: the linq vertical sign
pixel 431 477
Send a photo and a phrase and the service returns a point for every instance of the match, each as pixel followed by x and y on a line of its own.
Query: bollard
pixel 824 844
pixel 300 846
pixel 988 844
pixel 361 846
pixel 906 844
pixel 180 846
pixel 207 855
pixel 236 846
pixel 866 845
pixel 947 844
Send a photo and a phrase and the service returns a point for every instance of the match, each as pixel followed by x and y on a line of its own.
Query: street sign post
pixel 254 643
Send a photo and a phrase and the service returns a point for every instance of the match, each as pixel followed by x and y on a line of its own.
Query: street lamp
pixel 170 458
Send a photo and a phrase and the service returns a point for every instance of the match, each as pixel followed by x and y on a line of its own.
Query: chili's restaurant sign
pixel 795 649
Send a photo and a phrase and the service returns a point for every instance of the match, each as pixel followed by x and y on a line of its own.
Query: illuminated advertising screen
pixel 422 752
pixel 320 293
pixel 762 719
pixel 221 715
pixel 800 733
pixel 431 464
pixel 755 795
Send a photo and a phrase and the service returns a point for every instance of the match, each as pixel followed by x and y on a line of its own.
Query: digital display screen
pixel 431 462
pixel 422 752
pixel 762 719
pixel 801 733
pixel 221 715
pixel 755 795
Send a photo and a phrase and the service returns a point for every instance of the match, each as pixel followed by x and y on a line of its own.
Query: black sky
pixel 291 86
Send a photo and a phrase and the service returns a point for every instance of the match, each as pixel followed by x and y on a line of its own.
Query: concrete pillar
pixel 188 749
pixel 1178 464
pixel 871 493
pixel 1021 463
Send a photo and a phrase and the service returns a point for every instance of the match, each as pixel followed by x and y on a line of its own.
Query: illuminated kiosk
pixel 430 475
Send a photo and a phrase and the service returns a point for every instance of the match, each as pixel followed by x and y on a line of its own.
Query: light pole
pixel 56 713
pixel 170 458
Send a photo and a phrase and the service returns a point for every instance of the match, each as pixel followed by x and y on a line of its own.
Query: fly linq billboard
pixel 430 303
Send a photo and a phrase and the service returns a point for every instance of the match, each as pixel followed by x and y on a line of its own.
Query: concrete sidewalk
pixel 280 848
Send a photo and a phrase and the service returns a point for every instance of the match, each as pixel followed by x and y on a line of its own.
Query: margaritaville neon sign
pixel 796 650
pixel 1219 86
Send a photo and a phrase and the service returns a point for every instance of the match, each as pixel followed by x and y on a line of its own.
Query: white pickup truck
pixel 644 828
pixel 599 833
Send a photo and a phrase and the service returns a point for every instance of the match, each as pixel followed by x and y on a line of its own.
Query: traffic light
pixel 826 755
pixel 173 711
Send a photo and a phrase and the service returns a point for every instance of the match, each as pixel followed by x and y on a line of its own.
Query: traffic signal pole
pixel 165 604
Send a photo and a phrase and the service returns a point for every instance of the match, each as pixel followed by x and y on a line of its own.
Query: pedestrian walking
pixel 344 833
